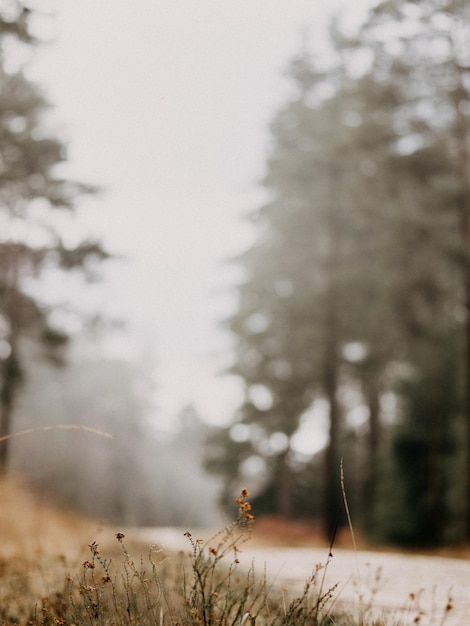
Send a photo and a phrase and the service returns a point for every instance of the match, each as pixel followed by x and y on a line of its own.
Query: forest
pixel 354 306
pixel 75 418
pixel 352 313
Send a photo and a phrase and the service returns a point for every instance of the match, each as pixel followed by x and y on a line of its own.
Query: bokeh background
pixel 234 237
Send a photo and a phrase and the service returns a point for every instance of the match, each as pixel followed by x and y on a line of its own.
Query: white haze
pixel 165 104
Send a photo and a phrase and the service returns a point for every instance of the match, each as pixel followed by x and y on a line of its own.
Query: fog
pixel 164 107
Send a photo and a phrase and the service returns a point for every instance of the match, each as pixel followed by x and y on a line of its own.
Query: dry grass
pixel 272 530
pixel 32 528
pixel 53 570
pixel 276 531
pixel 59 568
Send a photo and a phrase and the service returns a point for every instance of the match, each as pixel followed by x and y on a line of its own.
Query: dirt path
pixel 405 587
pixel 401 586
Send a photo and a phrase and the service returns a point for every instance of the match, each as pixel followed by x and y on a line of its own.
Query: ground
pixel 432 588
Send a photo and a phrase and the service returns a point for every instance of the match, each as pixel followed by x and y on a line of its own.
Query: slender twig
pixel 30 431
pixel 348 514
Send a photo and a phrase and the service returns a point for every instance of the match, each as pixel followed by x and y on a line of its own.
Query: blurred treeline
pixel 354 306
pixel 353 311
pixel 139 475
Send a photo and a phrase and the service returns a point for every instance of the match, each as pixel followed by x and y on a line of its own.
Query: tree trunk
pixel 373 441
pixel 332 493
pixel 5 429
pixel 285 489
pixel 434 497
pixel 10 370
pixel 463 175
pixel 9 385
pixel 466 284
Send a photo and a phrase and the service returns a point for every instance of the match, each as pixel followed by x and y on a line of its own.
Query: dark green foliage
pixel 422 450
pixel 364 242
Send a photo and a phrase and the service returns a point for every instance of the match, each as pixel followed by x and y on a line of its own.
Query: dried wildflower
pixel 94 549
pixel 88 565
pixel 249 517
pixel 245 493
pixel 187 534
pixel 119 536
pixel 106 579
pixel 213 551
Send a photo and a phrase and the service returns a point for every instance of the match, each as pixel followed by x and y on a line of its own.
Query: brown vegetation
pixel 31 527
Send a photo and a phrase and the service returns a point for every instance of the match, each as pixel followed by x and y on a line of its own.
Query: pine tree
pixel 362 244
pixel 419 54
pixel 31 195
pixel 294 315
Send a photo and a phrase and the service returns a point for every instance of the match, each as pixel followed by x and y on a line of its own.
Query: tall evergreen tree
pixel 294 316
pixel 32 193
pixel 420 53
pixel 363 244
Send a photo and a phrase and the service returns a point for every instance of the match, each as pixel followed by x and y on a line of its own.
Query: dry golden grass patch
pixel 271 530
pixel 31 528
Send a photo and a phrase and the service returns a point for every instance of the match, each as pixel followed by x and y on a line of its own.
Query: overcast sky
pixel 166 105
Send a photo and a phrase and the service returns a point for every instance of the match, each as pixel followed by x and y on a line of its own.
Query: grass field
pixel 59 568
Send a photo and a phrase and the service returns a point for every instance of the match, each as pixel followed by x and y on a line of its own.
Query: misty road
pixel 402 586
